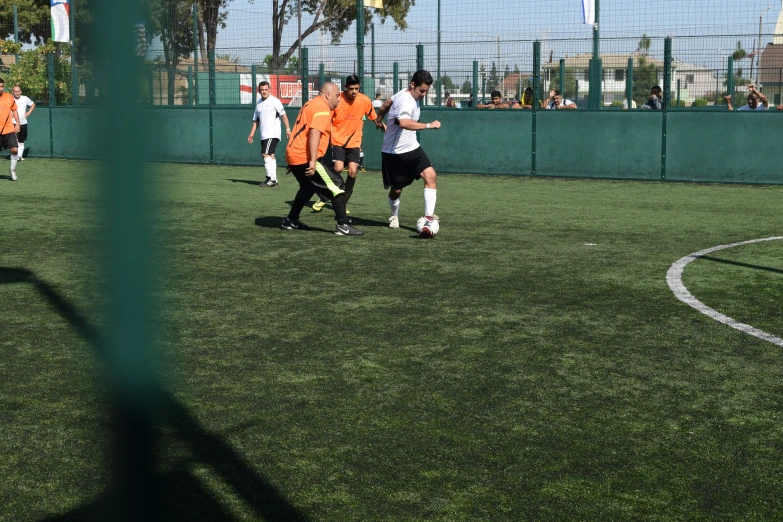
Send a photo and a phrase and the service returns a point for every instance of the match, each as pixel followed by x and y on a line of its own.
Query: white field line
pixel 674 279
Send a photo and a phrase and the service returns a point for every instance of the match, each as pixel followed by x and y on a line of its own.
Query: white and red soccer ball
pixel 427 227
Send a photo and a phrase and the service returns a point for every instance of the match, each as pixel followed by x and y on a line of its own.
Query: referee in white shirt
pixel 24 106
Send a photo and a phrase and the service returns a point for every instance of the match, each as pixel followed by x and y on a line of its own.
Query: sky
pixel 704 33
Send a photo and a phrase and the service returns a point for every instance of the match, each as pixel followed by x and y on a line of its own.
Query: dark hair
pixel 352 79
pixel 750 96
pixel 496 94
pixel 260 84
pixel 557 92
pixel 529 89
pixel 656 88
pixel 421 77
pixel 448 94
pixel 2 81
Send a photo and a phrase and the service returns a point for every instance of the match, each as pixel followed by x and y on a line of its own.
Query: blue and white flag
pixel 588 11
pixel 61 27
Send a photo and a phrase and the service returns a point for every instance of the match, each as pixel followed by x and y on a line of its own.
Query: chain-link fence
pixel 216 52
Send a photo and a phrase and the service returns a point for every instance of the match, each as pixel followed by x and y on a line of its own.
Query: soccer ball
pixel 426 228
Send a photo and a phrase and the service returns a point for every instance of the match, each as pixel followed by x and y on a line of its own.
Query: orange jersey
pixel 315 114
pixel 7 105
pixel 347 121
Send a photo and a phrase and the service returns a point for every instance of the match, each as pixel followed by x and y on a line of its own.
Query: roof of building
pixel 608 61
pixel 771 64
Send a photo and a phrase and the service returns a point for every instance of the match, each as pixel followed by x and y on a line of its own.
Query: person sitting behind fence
pixel 655 103
pixel 449 101
pixel 753 101
pixel 496 103
pixel 527 100
pixel 556 101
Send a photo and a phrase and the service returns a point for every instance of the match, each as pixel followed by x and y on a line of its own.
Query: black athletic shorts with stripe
pixel 352 155
pixel 325 182
pixel 400 170
pixel 8 141
pixel 268 146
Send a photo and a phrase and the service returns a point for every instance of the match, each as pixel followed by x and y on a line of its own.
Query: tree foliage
pixel 172 21
pixel 332 16
pixel 569 82
pixel 467 87
pixel 645 76
pixel 31 73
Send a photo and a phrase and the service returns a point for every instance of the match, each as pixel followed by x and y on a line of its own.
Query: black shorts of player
pixel 8 141
pixel 325 182
pixel 351 155
pixel 268 146
pixel 22 136
pixel 400 170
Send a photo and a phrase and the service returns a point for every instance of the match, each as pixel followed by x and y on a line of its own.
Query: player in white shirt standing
pixel 404 160
pixel 24 106
pixel 269 110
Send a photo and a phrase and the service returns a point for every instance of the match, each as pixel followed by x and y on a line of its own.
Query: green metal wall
pixel 714 146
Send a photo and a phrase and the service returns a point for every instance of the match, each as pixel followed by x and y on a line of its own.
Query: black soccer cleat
pixel 347 230
pixel 291 224
pixel 268 183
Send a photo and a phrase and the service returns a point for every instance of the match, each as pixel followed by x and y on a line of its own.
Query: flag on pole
pixel 61 27
pixel 588 11
pixel 377 4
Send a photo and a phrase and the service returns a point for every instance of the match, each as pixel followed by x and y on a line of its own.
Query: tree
pixel 493 80
pixel 292 67
pixel 447 83
pixel 467 87
pixel 31 72
pixel 506 72
pixel 645 76
pixel 644 45
pixel 332 16
pixel 172 21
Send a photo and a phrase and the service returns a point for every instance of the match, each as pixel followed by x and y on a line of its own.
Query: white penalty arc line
pixel 674 279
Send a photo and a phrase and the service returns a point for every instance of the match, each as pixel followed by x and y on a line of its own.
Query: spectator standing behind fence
pixel 269 110
pixel 655 103
pixel 377 102
pixel 753 101
pixel 496 103
pixel 556 101
pixel 527 100
pixel 24 107
pixel 9 129
pixel 449 101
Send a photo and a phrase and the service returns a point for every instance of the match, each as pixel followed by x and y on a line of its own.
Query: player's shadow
pixel 176 494
pixel 275 221
pixel 246 181
pixel 6 177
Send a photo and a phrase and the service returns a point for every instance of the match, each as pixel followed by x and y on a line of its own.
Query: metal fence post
pixel 474 86
pixel 536 102
pixel 678 92
pixel 322 75
pixel 359 45
pixel 395 76
pixel 74 70
pixel 195 51
pixel 562 77
pixel 254 83
pixel 50 74
pixel 16 31
pixel 190 85
pixel 211 58
pixel 730 77
pixel 667 72
pixel 629 84
pixel 419 57
pixel 305 76
pixel 151 83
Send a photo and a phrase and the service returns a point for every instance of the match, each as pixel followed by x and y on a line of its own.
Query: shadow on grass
pixel 6 177
pixel 275 221
pixel 137 493
pixel 746 265
pixel 246 181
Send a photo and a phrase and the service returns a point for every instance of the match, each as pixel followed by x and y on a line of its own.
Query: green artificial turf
pixel 529 363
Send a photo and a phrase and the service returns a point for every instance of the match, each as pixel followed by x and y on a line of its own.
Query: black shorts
pixel 346 155
pixel 268 146
pixel 325 182
pixel 400 170
pixel 22 136
pixel 8 141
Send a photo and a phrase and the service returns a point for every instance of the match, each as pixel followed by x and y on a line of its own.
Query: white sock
pixel 270 163
pixel 394 204
pixel 430 195
pixel 20 155
pixel 13 162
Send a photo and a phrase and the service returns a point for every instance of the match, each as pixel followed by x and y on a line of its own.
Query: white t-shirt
pixel 759 107
pixel 377 104
pixel 566 103
pixel 398 140
pixel 267 116
pixel 22 105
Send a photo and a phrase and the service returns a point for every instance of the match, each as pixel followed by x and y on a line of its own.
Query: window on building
pixel 587 75
pixel 619 75
pixel 689 78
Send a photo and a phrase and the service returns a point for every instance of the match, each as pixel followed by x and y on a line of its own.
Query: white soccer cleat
pixel 13 175
pixel 394 222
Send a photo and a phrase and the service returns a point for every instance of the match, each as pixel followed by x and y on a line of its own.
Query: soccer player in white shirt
pixel 269 110
pixel 24 106
pixel 404 160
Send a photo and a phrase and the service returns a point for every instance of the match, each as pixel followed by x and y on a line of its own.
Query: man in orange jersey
pixel 347 124
pixel 305 157
pixel 9 127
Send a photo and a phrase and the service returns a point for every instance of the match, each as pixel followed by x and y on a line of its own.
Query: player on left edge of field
pixel 8 128
pixel 269 110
